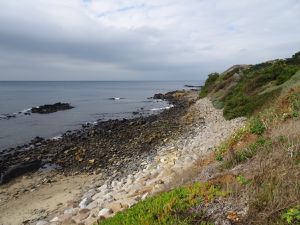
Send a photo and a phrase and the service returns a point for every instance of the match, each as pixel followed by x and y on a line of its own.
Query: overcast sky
pixel 141 40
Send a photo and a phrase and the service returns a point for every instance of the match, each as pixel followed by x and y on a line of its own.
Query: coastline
pixel 99 145
pixel 200 128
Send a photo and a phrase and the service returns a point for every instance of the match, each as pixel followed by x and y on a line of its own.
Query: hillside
pixel 253 177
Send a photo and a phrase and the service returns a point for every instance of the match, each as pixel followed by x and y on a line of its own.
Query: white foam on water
pixel 163 108
pixel 58 137
pixel 25 110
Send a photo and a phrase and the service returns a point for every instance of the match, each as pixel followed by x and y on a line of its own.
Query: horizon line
pixel 91 80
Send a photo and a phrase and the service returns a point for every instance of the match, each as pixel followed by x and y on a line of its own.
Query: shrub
pixel 238 104
pixel 257 126
pixel 209 84
pixel 286 74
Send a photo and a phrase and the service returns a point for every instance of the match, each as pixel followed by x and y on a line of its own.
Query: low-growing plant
pixel 257 126
pixel 292 215
pixel 227 144
pixel 275 187
pixel 242 155
pixel 242 180
pixel 169 207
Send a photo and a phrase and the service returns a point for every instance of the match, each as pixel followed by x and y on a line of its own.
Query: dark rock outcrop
pixel 159 96
pixel 193 86
pixel 19 170
pixel 44 109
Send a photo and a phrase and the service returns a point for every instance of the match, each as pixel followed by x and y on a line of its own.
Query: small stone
pixel 72 211
pixel 85 202
pixel 115 206
pixel 80 217
pixel 144 196
pixel 65 218
pixel 96 196
pixel 71 204
pixel 84 211
pixel 42 222
pixel 105 212
pixel 94 213
pixel 89 194
pixel 55 219
pixel 92 205
pixel 91 161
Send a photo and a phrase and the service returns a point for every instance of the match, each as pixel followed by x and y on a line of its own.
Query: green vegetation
pixel 276 186
pixel 236 157
pixel 242 180
pixel 245 90
pixel 228 144
pixel 265 153
pixel 170 207
pixel 269 95
pixel 257 126
pixel 292 215
pixel 209 84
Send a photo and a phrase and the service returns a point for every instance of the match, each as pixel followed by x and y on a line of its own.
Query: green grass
pixel 169 207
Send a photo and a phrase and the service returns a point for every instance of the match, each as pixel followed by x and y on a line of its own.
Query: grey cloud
pixel 47 40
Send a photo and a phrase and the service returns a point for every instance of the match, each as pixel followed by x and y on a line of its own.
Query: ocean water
pixel 91 99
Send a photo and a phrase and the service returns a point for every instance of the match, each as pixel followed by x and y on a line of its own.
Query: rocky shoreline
pixel 99 148
pixel 153 156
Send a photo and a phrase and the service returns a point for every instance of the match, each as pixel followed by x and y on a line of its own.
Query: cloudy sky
pixel 141 40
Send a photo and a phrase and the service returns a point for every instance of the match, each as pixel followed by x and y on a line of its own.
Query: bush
pixel 209 84
pixel 286 74
pixel 238 104
pixel 257 126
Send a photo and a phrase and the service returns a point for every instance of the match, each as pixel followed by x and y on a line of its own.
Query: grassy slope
pixel 267 150
pixel 170 207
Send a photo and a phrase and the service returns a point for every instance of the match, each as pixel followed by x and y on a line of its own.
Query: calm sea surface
pixel 91 100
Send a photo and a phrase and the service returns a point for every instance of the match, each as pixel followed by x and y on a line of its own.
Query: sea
pixel 92 100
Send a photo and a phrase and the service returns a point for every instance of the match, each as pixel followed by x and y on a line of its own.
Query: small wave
pixel 116 98
pixel 163 108
pixel 58 137
pixel 14 115
pixel 91 123
pixel 25 111
pixel 7 116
